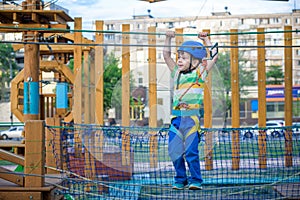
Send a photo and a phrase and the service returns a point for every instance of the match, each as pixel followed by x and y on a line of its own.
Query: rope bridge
pixel 98 162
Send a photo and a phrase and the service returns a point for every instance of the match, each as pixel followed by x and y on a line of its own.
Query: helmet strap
pixel 190 69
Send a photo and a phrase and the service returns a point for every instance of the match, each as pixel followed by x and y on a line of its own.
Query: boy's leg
pixel 191 128
pixel 192 158
pixel 176 150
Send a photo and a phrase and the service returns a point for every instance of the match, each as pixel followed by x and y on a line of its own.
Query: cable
pixel 140 33
pixel 145 45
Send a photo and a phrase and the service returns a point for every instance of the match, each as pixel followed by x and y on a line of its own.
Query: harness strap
pixel 195 83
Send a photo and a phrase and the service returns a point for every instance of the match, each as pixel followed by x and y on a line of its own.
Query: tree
pixel 112 82
pixel 221 84
pixel 111 78
pixel 275 75
pixel 8 68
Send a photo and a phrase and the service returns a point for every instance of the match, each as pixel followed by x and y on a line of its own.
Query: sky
pixel 92 10
pixel 125 9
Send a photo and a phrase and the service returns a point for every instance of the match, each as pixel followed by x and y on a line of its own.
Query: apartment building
pixel 219 25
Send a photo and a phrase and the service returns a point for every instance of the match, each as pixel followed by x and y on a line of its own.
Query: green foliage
pixel 275 75
pixel 6 64
pixel 221 83
pixel 112 82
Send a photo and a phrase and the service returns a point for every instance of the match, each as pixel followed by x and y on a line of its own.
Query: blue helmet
pixel 196 49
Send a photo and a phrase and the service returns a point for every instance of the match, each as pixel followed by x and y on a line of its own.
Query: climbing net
pixel 98 162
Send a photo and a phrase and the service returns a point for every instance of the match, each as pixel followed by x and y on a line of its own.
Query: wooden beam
pixel 77 98
pixel 21 195
pixel 152 96
pixel 11 177
pixel 125 93
pixel 11 157
pixel 99 71
pixel 235 100
pixel 208 148
pixel 262 112
pixel 34 166
pixel 288 92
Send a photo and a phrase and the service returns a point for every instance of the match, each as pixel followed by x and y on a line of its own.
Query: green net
pixel 133 163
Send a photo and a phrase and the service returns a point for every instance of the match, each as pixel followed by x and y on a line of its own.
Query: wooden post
pixel 86 80
pixel 152 96
pixel 125 94
pixel 31 76
pixel 178 39
pixel 93 85
pixel 53 146
pixel 99 73
pixel 208 148
pixel 261 70
pixel 99 108
pixel 288 102
pixel 235 99
pixel 34 167
pixel 77 108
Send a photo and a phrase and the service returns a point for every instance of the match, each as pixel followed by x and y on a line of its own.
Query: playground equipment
pixel 89 160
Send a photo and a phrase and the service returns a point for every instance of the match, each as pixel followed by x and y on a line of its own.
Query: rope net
pixel 98 162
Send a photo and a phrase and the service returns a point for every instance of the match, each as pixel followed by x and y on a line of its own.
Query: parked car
pixel 296 130
pixel 15 132
pixel 273 129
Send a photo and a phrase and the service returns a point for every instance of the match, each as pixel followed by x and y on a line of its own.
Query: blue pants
pixel 183 146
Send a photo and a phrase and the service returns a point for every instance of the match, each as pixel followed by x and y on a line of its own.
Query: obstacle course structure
pixel 94 161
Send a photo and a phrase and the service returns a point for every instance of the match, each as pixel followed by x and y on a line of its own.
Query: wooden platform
pixel 17 146
pixel 11 191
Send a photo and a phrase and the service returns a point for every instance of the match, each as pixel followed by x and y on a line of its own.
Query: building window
pixel 140 81
pixel 171 25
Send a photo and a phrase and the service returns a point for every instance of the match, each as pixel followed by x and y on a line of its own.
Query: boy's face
pixel 183 61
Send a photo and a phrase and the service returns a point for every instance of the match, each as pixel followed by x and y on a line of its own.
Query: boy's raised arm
pixel 167 50
pixel 210 63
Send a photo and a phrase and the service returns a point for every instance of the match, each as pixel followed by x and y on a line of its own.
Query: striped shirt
pixel 194 96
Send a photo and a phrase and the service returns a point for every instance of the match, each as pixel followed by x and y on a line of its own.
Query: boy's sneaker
pixel 178 186
pixel 195 186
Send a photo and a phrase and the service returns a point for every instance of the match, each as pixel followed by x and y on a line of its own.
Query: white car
pixel 273 129
pixel 15 132
pixel 296 130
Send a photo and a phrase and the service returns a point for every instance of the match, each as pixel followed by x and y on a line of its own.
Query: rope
pixel 146 45
pixel 140 33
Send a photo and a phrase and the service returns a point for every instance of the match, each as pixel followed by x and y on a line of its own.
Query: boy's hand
pixel 202 35
pixel 170 34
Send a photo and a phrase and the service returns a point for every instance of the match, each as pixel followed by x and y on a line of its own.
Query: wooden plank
pixel 9 176
pixel 288 92
pixel 6 155
pixel 235 99
pixel 21 195
pixel 208 148
pixel 152 96
pixel 262 112
pixel 34 153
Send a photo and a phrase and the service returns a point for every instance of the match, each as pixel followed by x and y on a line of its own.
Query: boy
pixel 189 75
